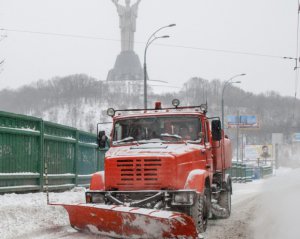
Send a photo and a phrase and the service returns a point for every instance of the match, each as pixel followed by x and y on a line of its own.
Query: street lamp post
pixel 228 82
pixel 151 39
pixel 238 135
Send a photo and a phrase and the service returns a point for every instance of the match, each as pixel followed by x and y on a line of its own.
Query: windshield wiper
pixel 197 141
pixel 128 139
pixel 176 136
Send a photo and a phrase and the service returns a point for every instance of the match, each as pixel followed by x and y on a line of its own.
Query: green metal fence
pixel 241 172
pixel 28 144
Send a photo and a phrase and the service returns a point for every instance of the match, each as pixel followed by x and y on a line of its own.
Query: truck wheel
pixel 200 212
pixel 225 202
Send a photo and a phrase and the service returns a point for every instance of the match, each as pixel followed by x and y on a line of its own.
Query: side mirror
pixel 216 130
pixel 102 139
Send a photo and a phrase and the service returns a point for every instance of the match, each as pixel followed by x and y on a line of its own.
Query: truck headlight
pixel 97 198
pixel 94 198
pixel 183 198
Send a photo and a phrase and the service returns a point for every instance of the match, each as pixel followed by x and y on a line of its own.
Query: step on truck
pixel 164 175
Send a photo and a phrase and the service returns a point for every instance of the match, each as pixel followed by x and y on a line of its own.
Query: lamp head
pixel 175 103
pixel 111 112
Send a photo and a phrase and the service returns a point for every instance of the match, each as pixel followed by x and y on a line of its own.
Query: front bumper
pixel 147 198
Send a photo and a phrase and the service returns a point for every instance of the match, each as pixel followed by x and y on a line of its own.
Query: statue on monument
pixel 127 66
pixel 127 22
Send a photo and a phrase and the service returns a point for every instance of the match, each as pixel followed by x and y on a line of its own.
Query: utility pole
pixel 151 39
pixel 1 63
pixel 237 135
pixel 228 82
pixel 243 146
pixel 2 37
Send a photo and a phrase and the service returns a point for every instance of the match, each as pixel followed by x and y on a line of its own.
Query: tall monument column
pixel 127 66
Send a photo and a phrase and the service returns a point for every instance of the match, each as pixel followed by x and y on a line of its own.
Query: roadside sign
pixel 296 137
pixel 253 152
pixel 242 121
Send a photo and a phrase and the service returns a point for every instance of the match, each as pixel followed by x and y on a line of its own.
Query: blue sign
pixel 243 121
pixel 296 137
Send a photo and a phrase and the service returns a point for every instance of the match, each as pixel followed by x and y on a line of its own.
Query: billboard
pixel 258 151
pixel 243 121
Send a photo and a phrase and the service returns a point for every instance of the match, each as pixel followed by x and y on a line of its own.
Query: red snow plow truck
pixel 165 175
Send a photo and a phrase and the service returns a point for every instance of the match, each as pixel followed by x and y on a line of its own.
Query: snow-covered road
pixel 277 213
pixel 261 209
pixel 243 202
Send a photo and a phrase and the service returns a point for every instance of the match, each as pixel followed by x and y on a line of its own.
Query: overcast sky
pixel 266 27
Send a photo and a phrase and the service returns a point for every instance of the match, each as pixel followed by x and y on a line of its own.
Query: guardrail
pixel 28 144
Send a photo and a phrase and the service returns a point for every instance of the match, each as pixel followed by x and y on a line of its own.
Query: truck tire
pixel 200 211
pixel 225 202
pixel 221 209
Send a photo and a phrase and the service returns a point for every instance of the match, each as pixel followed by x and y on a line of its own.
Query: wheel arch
pixel 197 180
pixel 98 181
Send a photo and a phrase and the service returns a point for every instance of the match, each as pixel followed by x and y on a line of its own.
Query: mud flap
pixel 129 222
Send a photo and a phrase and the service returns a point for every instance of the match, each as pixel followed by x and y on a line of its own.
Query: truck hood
pixel 156 149
pixel 149 166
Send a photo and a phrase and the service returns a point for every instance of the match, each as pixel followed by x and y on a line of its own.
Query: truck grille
pixel 139 171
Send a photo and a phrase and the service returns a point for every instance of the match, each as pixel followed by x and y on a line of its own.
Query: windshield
pixel 158 129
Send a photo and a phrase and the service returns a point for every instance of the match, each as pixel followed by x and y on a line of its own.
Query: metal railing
pixel 243 173
pixel 28 144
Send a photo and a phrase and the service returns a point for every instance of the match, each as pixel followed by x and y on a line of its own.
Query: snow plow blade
pixel 129 222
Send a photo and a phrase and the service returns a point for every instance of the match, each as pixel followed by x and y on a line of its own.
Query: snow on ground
pixel 237 225
pixel 22 214
pixel 265 208
pixel 277 213
pixel 262 209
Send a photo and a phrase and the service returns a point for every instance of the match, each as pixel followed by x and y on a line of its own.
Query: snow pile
pixel 20 173
pixel 24 215
pixel 277 215
pixel 282 171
